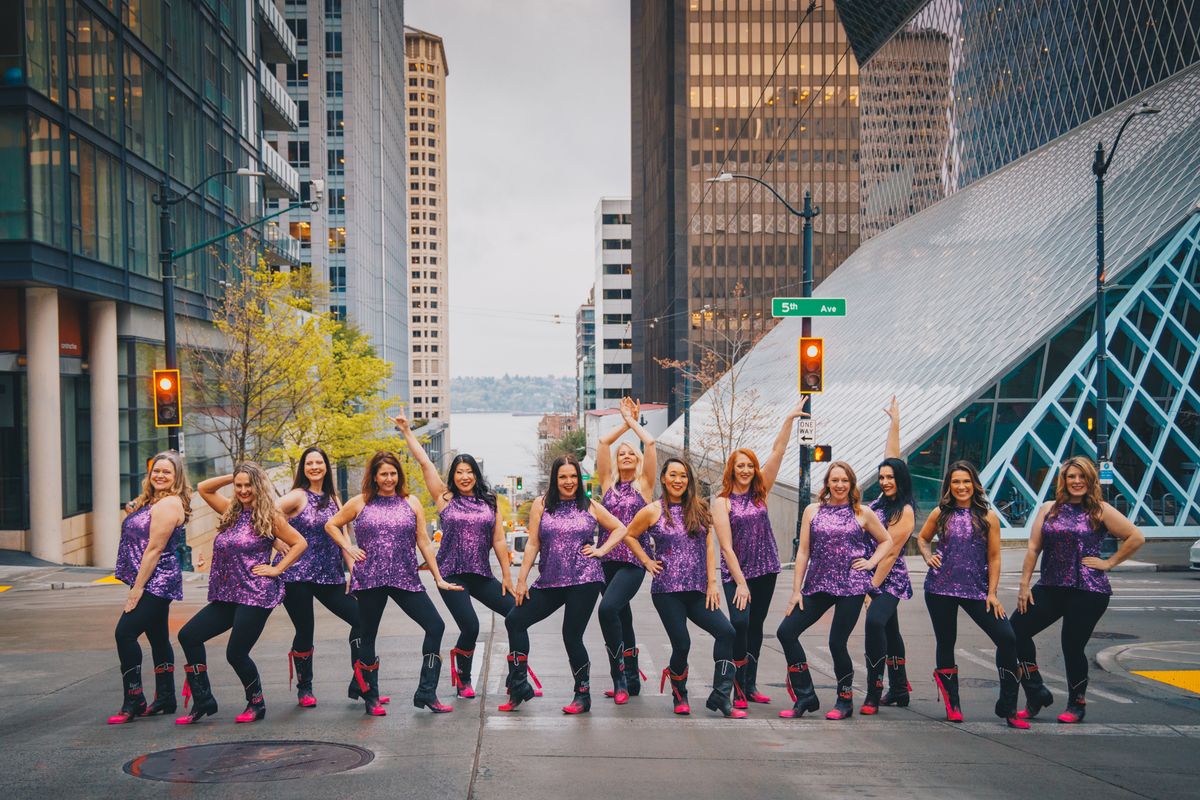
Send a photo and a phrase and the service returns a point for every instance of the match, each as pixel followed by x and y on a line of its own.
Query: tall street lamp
pixel 1100 169
pixel 804 485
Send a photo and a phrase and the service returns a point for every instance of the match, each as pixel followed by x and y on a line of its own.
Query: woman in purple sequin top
pixel 686 584
pixel 833 570
pixel 319 574
pixel 389 529
pixel 627 484
pixel 896 509
pixel 742 523
pixel 146 560
pixel 964 573
pixel 243 585
pixel 1074 587
pixel 470 528
pixel 562 529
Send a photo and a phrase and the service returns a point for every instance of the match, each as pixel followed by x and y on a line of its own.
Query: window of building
pixel 618 294
pixel 618 244
pixel 302 113
pixel 298 154
pixel 335 122
pixel 618 344
pixel 337 279
pixel 337 199
pixel 336 162
pixel 333 44
pixel 297 74
pixel 299 27
pixel 616 319
pixel 337 240
pixel 618 369
pixel 617 269
pixel 333 9
pixel 333 83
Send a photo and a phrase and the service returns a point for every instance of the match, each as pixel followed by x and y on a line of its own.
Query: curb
pixel 1108 660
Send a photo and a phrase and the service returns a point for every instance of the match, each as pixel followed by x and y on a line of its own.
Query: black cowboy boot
pixel 134 704
pixel 874 687
pixel 199 690
pixel 899 689
pixel 947 684
pixel 749 681
pixel 302 664
pixel 844 707
pixel 581 703
pixel 256 707
pixel 1037 696
pixel 1076 704
pixel 633 673
pixel 164 691
pixel 366 686
pixel 616 669
pixel 1006 704
pixel 426 694
pixel 519 690
pixel 355 690
pixel 719 699
pixel 800 687
pixel 460 672
pixel 678 689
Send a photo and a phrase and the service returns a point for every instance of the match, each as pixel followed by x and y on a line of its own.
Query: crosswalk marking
pixel 1093 692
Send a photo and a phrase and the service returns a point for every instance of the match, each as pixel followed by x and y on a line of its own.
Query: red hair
pixel 758 487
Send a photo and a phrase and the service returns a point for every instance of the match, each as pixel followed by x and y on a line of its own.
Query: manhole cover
pixel 248 762
pixel 1112 635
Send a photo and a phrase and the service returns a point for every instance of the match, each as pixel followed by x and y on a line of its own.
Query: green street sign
pixel 808 306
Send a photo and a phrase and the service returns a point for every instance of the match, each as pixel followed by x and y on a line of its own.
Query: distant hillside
pixel 513 393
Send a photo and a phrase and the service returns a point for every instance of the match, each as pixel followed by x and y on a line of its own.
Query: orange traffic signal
pixel 812 365
pixel 822 453
pixel 168 409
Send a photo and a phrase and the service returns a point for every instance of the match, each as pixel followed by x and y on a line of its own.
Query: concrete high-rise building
pixel 428 254
pixel 613 302
pixel 763 89
pixel 585 356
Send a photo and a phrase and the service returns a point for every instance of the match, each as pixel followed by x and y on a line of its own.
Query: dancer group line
pixel 295 549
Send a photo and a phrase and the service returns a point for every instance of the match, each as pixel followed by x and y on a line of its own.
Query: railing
pixel 278 43
pixel 286 112
pixel 280 243
pixel 283 175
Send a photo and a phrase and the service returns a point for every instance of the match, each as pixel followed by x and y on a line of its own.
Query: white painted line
pixel 1092 691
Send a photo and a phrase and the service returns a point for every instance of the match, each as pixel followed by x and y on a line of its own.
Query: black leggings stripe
pixel 417 605
pixel 845 617
pixel 883 628
pixel 748 622
pixel 943 613
pixel 148 617
pixel 621 583
pixel 298 602
pixel 577 603
pixel 1079 611
pixel 483 588
pixel 675 609
pixel 246 624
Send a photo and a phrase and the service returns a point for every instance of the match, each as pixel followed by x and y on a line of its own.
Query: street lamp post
pixel 1100 168
pixel 804 484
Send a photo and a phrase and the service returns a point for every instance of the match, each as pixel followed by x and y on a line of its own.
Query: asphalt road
pixel 59 681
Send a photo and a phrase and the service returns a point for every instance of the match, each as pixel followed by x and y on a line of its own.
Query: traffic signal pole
pixel 166 260
pixel 804 484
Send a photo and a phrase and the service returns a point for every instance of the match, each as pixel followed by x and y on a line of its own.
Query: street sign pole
pixel 804 484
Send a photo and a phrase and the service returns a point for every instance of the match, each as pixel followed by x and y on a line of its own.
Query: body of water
pixel 505 444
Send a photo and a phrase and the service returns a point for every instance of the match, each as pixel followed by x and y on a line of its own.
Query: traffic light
pixel 168 411
pixel 587 485
pixel 812 365
pixel 821 453
pixel 520 483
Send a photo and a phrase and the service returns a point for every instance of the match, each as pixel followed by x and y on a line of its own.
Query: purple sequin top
pixel 623 501
pixel 753 540
pixel 835 540
pixel 1067 539
pixel 896 583
pixel 964 570
pixel 684 556
pixel 167 580
pixel 386 529
pixel 322 561
pixel 236 551
pixel 468 527
pixel 561 537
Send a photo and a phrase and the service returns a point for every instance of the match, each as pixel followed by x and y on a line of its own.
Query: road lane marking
pixel 108 580
pixel 1186 679
pixel 1092 690
pixel 4 588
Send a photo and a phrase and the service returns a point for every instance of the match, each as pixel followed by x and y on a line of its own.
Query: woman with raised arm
pixel 562 527
pixel 389 529
pixel 243 586
pixel 146 561
pixel 627 485
pixel 470 527
pixel 686 583
pixel 964 573
pixel 319 574
pixel 741 522
pixel 1067 532
pixel 896 508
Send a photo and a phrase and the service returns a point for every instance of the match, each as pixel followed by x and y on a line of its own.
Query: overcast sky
pixel 538 131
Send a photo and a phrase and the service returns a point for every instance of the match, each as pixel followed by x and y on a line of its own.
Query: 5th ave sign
pixel 808 306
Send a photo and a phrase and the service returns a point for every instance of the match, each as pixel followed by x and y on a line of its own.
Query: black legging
pixel 483 588
pixel 845 617
pixel 675 609
pixel 748 622
pixel 417 605
pixel 578 602
pixel 621 583
pixel 883 628
pixel 1080 610
pixel 298 602
pixel 943 613
pixel 246 623
pixel 148 617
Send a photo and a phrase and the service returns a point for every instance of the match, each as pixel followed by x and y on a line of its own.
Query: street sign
pixel 1106 473
pixel 806 432
pixel 808 306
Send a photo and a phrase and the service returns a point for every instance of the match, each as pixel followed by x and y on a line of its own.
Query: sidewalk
pixel 1174 664
pixel 21 572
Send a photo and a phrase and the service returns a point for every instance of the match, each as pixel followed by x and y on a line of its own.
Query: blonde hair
pixel 179 487
pixel 1092 499
pixel 637 469
pixel 855 496
pixel 263 512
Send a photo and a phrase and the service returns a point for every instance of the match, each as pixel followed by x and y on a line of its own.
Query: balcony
pixel 277 42
pixel 279 248
pixel 282 180
pixel 279 109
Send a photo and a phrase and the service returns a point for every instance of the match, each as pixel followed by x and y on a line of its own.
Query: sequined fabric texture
pixel 167 580
pixel 753 540
pixel 561 537
pixel 468 525
pixel 386 529
pixel 897 582
pixel 623 501
pixel 835 541
pixel 322 561
pixel 236 551
pixel 684 557
pixel 964 570
pixel 1067 539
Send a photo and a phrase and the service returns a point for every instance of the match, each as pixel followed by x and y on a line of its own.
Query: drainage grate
pixel 248 762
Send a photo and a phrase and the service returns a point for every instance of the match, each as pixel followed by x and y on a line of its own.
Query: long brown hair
pixel 179 488
pixel 369 490
pixel 855 496
pixel 262 512
pixel 696 516
pixel 1092 499
pixel 979 502
pixel 758 487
